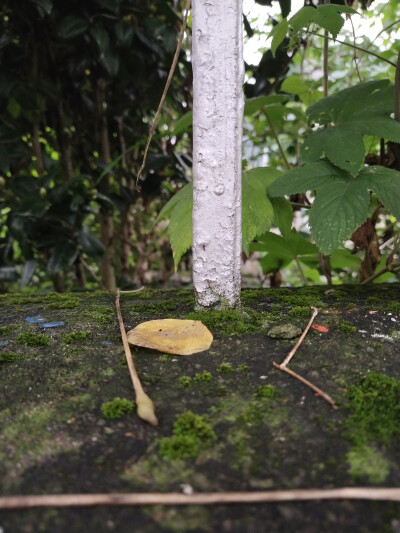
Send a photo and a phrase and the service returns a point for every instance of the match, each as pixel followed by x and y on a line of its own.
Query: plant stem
pixel 164 94
pixel 354 46
pixel 301 272
pixel 394 268
pixel 275 135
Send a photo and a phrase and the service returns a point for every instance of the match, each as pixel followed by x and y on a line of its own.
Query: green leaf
pixel 257 212
pixel 285 6
pixel 385 183
pixel 183 124
pixel 327 16
pixel 253 105
pixel 281 252
pixel 294 85
pixel 283 215
pixel 28 271
pixel 180 225
pixel 278 33
pixel 44 7
pixel 101 38
pixel 305 178
pixel 71 27
pixel 63 256
pixel 341 203
pixel 360 110
pixel 342 259
pixel 339 208
pixel 90 245
pixel 183 195
pixel 342 145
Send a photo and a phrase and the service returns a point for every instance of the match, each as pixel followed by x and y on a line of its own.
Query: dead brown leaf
pixel 179 337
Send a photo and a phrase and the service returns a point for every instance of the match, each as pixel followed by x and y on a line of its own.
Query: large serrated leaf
pixel 304 178
pixel 335 144
pixel 361 110
pixel 180 224
pixel 385 183
pixel 339 208
pixel 327 16
pixel 257 211
pixel 283 215
pixel 280 251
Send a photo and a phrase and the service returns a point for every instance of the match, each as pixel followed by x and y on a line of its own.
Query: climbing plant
pixel 340 152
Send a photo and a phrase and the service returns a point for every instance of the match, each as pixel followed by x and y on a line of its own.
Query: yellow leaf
pixel 180 337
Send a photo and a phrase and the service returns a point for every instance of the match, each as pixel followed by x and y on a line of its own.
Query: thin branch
pixel 164 94
pixel 92 273
pixel 316 389
pixel 354 54
pixel 145 406
pixel 205 498
pixel 285 362
pixel 302 275
pixel 289 356
pixel 394 268
pixel 325 79
pixel 275 135
pixel 355 47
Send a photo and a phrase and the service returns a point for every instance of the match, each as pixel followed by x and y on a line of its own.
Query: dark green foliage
pixel 117 408
pixel 66 83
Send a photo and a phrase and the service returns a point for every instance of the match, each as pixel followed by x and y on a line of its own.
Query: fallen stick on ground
pixel 145 406
pixel 283 366
pixel 205 498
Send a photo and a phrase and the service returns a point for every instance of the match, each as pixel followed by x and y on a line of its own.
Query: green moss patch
pixel 6 330
pixel 203 376
pixel 117 408
pixel 8 357
pixel 373 421
pixel 75 336
pixel 191 435
pixel 300 311
pixel 33 339
pixel 230 321
pixel 374 409
pixel 367 461
pixel 101 314
pixel 225 368
pixel 346 327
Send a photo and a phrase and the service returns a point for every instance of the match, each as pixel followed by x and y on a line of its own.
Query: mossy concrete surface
pixel 229 420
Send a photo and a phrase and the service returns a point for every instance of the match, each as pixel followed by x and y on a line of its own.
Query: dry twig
pixel 283 366
pixel 145 406
pixel 205 498
pixel 164 94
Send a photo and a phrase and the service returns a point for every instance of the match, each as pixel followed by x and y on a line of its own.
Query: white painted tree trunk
pixel 218 72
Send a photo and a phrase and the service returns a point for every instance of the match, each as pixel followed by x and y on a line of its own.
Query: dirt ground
pixel 256 428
